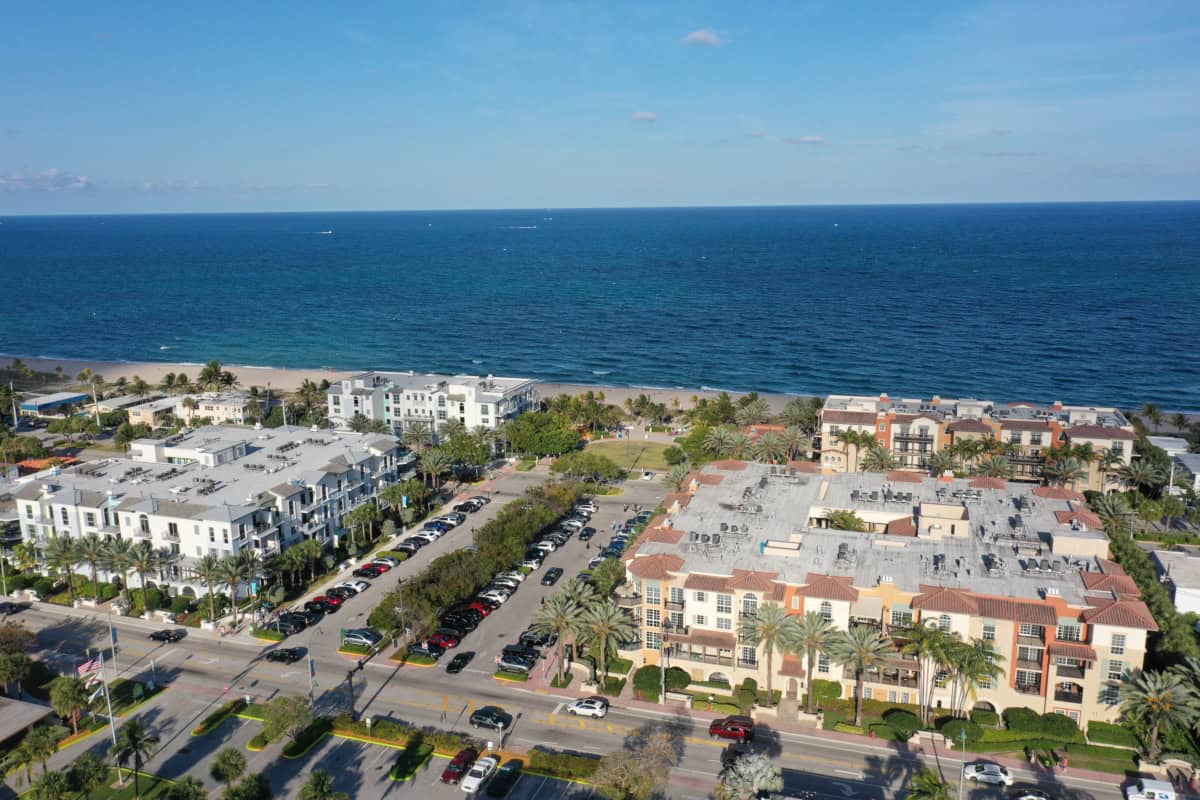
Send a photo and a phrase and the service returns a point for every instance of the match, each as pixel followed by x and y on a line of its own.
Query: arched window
pixel 827 611
pixel 144 522
pixel 944 622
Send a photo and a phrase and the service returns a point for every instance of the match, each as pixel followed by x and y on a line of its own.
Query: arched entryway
pixel 984 705
pixel 793 688
pixel 719 677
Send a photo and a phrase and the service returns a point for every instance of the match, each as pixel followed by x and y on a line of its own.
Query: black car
pixel 309 616
pixel 286 627
pixel 520 651
pixel 459 661
pixel 426 649
pixel 610 552
pixel 460 625
pixel 491 717
pixel 167 636
pixel 467 507
pixel 552 575
pixel 586 533
pixel 366 572
pixel 295 620
pixel 341 592
pixel 488 602
pixel 7 608
pixel 320 606
pixel 532 638
pixel 504 779
pixel 286 655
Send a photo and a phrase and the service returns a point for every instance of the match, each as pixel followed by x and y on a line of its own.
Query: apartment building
pixel 218 407
pixel 403 398
pixel 1024 567
pixel 914 429
pixel 217 490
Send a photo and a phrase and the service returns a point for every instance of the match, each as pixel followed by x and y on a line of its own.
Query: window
pixel 1065 661
pixel 144 523
pixel 901 618
pixel 700 619
pixel 1035 438
pixel 989 631
pixel 1118 644
pixel 1116 670
pixel 1118 449
pixel 1110 695
pixel 173 529
pixel 827 611
pixel 653 640
pixel 868 693
pixel 795 602
pixel 724 604
pixel 891 696
pixel 676 594
pixel 822 663
pixel 944 623
pixel 1029 629
pixel 66 519
pixel 882 427
pixel 724 623
pixel 676 620
pixel 700 597
pixel 1032 654
pixel 653 594
pixel 90 519
pixel 985 683
pixel 483 409
pixel 750 655
pixel 653 618
pixel 1069 633
pixel 1029 680
pixel 225 535
pixel 749 605
pixel 28 512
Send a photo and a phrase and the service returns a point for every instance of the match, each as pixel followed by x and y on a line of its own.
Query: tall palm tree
pixel 856 439
pixel 91 550
pixel 187 788
pixel 144 560
pixel 1152 412
pixel 770 448
pixel 769 629
pixel 930 645
pixel 52 786
pixel 606 626
pixel 207 570
pixel 810 637
pixel 677 475
pixel 794 442
pixel 878 459
pixel 580 592
pixel 62 556
pixel 320 787
pixel 69 698
pixel 1158 699
pixel 995 467
pixel 451 427
pixel 752 412
pixel 210 376
pixel 972 664
pixel 558 616
pixel 88 773
pixel 433 463
pixel 43 741
pixel 1145 476
pixel 139 387
pixel 859 649
pixel 134 743
pixel 1064 471
pixel 232 575
pixel 168 383
pixel 740 445
pixel 250 564
pixel 719 440
pixel 928 785
pixel 416 436
pixel 942 461
pixel 1110 507
pixel 116 559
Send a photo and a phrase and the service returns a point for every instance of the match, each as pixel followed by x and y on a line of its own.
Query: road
pixel 203 673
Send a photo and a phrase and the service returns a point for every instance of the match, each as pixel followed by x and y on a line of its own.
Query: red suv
pixel 737 728
pixel 459 765
pixel 444 640
pixel 332 599
pixel 481 608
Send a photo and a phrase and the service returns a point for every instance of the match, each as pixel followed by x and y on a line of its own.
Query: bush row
pixel 399 733
pixel 1048 725
pixel 220 715
pixel 308 737
pixel 562 765
pixel 1108 733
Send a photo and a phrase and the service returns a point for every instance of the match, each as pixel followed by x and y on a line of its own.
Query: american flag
pixel 88 667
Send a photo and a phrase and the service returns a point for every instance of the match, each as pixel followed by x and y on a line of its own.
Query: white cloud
pixel 811 141
pixel 51 180
pixel 704 36
pixel 644 116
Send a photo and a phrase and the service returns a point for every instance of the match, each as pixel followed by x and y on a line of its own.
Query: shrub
pixel 953 730
pixel 747 693
pixel 17 582
pixel 1058 726
pixel 648 679
pixel 44 587
pixel 181 605
pixel 308 737
pixel 154 599
pixel 846 727
pixel 217 717
pixel 677 679
pixel 562 765
pixel 1108 733
pixel 986 719
pixel 826 690
pixel 674 455
pixel 108 591
pixel 1022 719
pixel 882 730
pixel 904 723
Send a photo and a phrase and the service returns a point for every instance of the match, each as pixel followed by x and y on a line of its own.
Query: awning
pixel 724 641
pixel 1072 650
pixel 867 608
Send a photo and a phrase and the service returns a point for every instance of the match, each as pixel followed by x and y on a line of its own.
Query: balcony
pixel 913 437
pixel 629 646
pixel 170 537
pixel 1029 688
pixel 702 658
pixel 745 614
pixel 628 600
pixel 744 664
pixel 1032 641
pixel 1031 666
pixel 1068 697
pixel 1070 672
pixel 141 534
pixel 673 605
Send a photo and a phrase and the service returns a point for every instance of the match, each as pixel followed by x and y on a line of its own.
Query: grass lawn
pixel 632 454
pixel 526 464
pixel 153 788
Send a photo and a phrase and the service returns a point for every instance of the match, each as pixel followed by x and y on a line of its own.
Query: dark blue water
pixel 1083 303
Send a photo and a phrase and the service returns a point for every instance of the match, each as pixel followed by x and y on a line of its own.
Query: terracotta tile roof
pixel 811 467
pixel 1024 425
pixel 664 535
pixel 793 667
pixel 729 465
pixel 683 498
pixel 707 583
pixel 706 478
pixel 655 522
pixel 1121 613
pixel 752 581
pixel 944 598
pixel 724 641
pixel 1110 567
pixel 778 593
pixel 756 431
pixel 1072 650
pixel 657 567
pixel 848 417
pixel 828 587
pixel 901 527
pixel 905 476
pixel 1099 432
pixel 1058 493
pixel 1088 518
pixel 989 483
pixel 1118 584
pixel 1016 611
pixel 969 426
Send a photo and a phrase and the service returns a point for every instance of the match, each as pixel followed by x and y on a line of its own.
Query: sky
pixel 269 106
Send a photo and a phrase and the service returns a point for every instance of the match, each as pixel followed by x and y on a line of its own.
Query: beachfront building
pixel 53 406
pixel 401 399
pixel 216 489
pixel 220 408
pixel 1024 567
pixel 913 430
pixel 1179 571
pixel 1187 467
pixel 156 413
pixel 119 402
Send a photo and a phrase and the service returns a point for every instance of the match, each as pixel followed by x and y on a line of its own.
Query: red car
pixel 737 728
pixel 444 640
pixel 481 608
pixel 459 765
pixel 379 565
pixel 332 599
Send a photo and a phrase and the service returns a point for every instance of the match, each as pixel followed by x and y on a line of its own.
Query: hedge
pixel 1048 726
pixel 514 677
pixel 826 690
pixel 985 719
pixel 903 723
pixel 954 729
pixel 410 761
pixel 612 686
pixel 398 733
pixel 304 741
pixel 562 765
pixel 267 635
pixel 217 717
pixel 181 605
pixel 564 683
pixel 1108 733
pixel 846 727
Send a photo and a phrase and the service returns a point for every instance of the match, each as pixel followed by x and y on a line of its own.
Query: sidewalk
pixel 101 616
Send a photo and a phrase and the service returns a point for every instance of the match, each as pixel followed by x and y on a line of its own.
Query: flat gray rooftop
pixel 1183 568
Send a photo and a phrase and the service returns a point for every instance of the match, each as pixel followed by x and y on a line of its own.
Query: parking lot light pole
pixel 962 775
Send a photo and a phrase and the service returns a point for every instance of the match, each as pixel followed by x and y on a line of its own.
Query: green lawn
pixel 632 454
pixel 152 788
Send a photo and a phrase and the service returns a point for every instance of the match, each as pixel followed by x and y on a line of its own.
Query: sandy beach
pixel 290 379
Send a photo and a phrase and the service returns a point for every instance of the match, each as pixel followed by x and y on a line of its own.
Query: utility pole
pixel 962 775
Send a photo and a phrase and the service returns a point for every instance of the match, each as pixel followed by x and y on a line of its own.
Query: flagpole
pixel 112 723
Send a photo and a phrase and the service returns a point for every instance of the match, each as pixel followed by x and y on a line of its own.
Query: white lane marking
pixel 858 776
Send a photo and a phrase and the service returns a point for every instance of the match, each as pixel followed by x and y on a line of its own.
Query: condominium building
pixel 1023 567
pixel 914 429
pixel 217 407
pixel 217 490
pixel 403 398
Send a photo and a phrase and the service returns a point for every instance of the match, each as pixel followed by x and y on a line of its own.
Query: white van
pixel 1149 789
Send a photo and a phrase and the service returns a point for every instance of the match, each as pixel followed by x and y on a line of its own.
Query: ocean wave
pixel 165 347
pixel 602 372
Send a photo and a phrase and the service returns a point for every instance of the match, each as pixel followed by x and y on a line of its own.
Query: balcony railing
pixel 1070 672
pixel 743 614
pixel 913 437
pixel 1025 688
pixel 702 658
pixel 628 600
pixel 1068 697
pixel 1031 641
pixel 1032 666
pixel 673 605
pixel 744 664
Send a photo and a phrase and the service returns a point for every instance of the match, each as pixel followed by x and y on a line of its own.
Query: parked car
pixel 586 533
pixel 473 614
pixel 479 773
pixel 490 717
pixel 358 586
pixel 1031 794
pixel 309 617
pixel 362 637
pixel 643 516
pixel 739 728
pixel 340 593
pixel 505 779
pixel 531 563
pixel 608 552
pixel 521 650
pixel 459 765
pixel 467 507
pixel 426 649
pixel 320 606
pixel 552 575
pixel 7 608
pixel 460 625
pixel 349 588
pixel 596 561
pixel 498 596
pixel 574 523
pixel 481 607
pixel 506 581
pixel 546 545
pixel 988 772
pixel 445 639
pixel 367 572
pixel 168 635
pixel 428 536
pixel 437 525
pixel 483 499
pixel 391 562
pixel 516 664
pixel 458 518
pixel 295 620
pixel 596 707
pixel 459 661
pixel 588 506
pixel 416 542
pixel 534 638
pixel 283 627
pixel 515 574
pixel 1149 789
pixel 286 655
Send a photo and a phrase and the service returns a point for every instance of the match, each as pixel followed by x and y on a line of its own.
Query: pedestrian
pixel 543 600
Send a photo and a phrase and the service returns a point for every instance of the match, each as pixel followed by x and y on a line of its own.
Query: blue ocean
pixel 1072 302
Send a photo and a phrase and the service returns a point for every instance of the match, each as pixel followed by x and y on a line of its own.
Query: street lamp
pixel 962 775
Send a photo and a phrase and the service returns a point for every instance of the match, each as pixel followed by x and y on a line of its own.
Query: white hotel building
pixel 217 490
pixel 402 398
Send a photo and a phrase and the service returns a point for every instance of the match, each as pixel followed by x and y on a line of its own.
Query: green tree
pixel 858 440
pixel 87 773
pixel 210 376
pixel 1064 471
pixel 971 664
pixel 928 785
pixel 995 467
pixel 90 549
pixel 43 742
pixel 750 777
pixel 770 628
pixel 14 668
pixel 319 786
pixel 135 744
pixel 558 616
pixel 930 645
pixel 144 560
pixel 228 766
pixel 770 448
pixel 942 461
pixel 69 698
pixel 252 787
pixel 287 715
pixel 878 459
pixel 843 520
pixel 1152 412
pixel 1158 700
pixel 233 574
pixel 116 559
pixel 803 413
pixel 207 570
pixel 677 475
pixel 859 649
pixel 795 441
pixel 361 520
pixel 187 788
pixel 61 557
pixel 809 638
pixel 52 786
pixel 433 462
pixel 605 626
pixel 719 441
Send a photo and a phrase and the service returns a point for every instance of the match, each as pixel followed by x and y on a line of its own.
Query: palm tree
pixel 928 785
pixel 69 698
pixel 794 442
pixel 580 592
pixel 719 440
pixel 860 649
pixel 22 757
pixel 971 665
pixel 207 570
pixel 752 412
pixel 116 559
pixel 416 436
pixel 1145 476
pixel 810 637
pixel 942 461
pixel 168 383
pixel 232 574
pixel 929 644
pixel 558 616
pixel 752 775
pixel 769 629
pixel 1152 412
pixel 139 387
pixel 433 463
pixel 227 766
pixel 606 626
pixel 452 427
pixel 1110 507
pixel 52 786
pixel 134 743
pixel 187 788
pixel 740 445
pixel 1179 422
pixel 843 520
pixel 361 519
pixel 320 787
pixel 1158 699
pixel 1064 471
pixel 878 459
pixel 770 448
pixel 856 439
pixel 62 556
pixel 250 563
pixel 88 773
pixel 210 376
pixel 677 475
pixel 144 560
pixel 91 549
pixel 995 467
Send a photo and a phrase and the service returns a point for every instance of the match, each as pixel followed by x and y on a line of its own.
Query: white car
pixel 647 475
pixel 987 772
pixel 391 562
pixel 508 584
pixel 495 595
pixel 358 586
pixel 587 506
pixel 573 524
pixel 446 520
pixel 546 546
pixel 1032 794
pixel 427 536
pixel 589 707
pixel 479 773
pixel 516 575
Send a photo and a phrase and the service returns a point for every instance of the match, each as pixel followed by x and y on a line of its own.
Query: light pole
pixel 962 775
